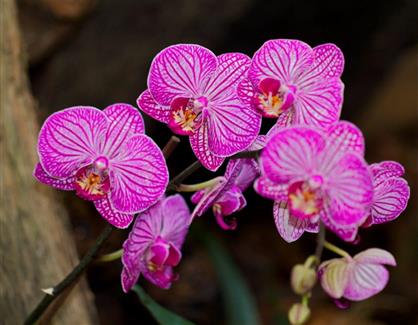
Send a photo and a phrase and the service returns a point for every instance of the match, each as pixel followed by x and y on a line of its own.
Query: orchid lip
pixel 92 182
pixel 305 198
pixel 187 114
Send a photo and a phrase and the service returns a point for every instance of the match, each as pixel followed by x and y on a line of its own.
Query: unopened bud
pixel 302 279
pixel 299 314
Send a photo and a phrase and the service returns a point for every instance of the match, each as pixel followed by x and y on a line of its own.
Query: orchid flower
pixel 194 92
pixel 391 192
pixel 105 157
pixel 356 278
pixel 314 176
pixel 225 196
pixel 291 81
pixel 154 244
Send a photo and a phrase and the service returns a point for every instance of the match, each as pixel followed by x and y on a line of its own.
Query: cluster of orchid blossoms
pixel 310 164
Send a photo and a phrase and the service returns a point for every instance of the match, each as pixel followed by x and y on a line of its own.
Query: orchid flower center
pixel 92 181
pixel 273 98
pixel 305 198
pixel 160 255
pixel 186 114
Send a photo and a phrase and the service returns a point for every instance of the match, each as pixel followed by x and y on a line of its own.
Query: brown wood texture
pixel 37 249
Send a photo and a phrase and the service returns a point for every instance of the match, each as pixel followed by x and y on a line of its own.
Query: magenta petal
pixel 375 256
pixel 291 153
pixel 200 146
pixel 350 191
pixel 246 91
pixel 149 106
pixel 70 139
pixel 319 104
pixel 124 122
pixel 285 119
pixel 65 184
pixel 385 170
pixel 232 68
pixel 160 251
pixel 181 70
pixel 115 218
pixel 174 256
pixel 270 190
pixel 280 59
pixel 128 280
pixel 209 198
pixel 389 200
pixel 347 233
pixel 289 227
pixel 328 63
pixel 139 175
pixel 232 126
pixel 176 217
pixel 365 280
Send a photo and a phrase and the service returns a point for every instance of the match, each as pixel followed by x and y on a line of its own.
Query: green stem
pixel 198 186
pixel 320 241
pixel 111 256
pixel 70 278
pixel 336 249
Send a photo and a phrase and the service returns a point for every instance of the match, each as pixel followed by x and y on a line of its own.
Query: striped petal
pixel 70 139
pixel 149 106
pixel 208 198
pixel 385 170
pixel 124 122
pixel 181 70
pixel 245 91
pixel 365 280
pixel 375 256
pixel 200 146
pixel 232 68
pixel 270 190
pixel 334 275
pixel 291 153
pixel 285 119
pixel 175 222
pixel 139 176
pixel 319 104
pixel 115 218
pixel 232 127
pixel 64 184
pixel 289 227
pixel 281 59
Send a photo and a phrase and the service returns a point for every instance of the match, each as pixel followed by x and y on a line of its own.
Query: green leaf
pixel 162 315
pixel 239 304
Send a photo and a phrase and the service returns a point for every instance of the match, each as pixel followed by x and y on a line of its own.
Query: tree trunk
pixel 37 250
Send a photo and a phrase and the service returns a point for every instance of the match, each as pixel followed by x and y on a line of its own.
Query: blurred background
pixel 97 52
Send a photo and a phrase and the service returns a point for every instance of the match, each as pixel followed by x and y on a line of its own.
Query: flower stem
pixel 111 256
pixel 198 186
pixel 336 249
pixel 170 146
pixel 320 242
pixel 176 181
pixel 70 278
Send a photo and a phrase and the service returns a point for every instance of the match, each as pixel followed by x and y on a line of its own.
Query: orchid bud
pixel 302 279
pixel 299 314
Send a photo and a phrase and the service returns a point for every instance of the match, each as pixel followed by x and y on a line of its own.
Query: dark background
pixel 86 52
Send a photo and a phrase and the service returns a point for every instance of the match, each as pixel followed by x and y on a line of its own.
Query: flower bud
pixel 299 314
pixel 302 279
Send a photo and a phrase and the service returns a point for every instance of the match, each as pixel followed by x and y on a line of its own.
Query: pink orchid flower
pixel 226 195
pixel 105 157
pixel 316 175
pixel 291 81
pixel 356 278
pixel 391 192
pixel 194 92
pixel 154 244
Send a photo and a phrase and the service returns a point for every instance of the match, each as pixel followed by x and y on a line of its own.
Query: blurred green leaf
pixel 162 315
pixel 239 304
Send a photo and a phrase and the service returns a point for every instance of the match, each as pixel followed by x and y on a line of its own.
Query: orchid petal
pixel 115 218
pixel 232 67
pixel 64 184
pixel 149 106
pixel 285 119
pixel 245 91
pixel 200 147
pixel 289 227
pixel 385 170
pixel 280 59
pixel 70 139
pixel 291 153
pixel 270 190
pixel 124 122
pixel 232 126
pixel 333 275
pixel 365 280
pixel 375 256
pixel 209 198
pixel 180 71
pixel 319 104
pixel 139 175
pixel 176 216
pixel 128 280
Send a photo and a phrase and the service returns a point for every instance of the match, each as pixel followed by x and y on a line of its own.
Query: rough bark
pixel 37 249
